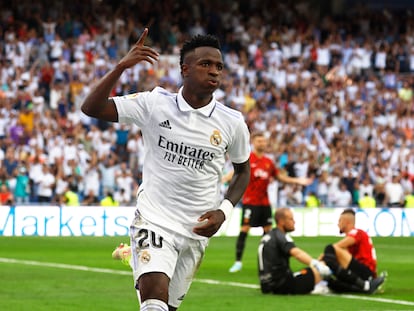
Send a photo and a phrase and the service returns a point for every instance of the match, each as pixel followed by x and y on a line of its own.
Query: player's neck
pixel 197 100
pixel 258 154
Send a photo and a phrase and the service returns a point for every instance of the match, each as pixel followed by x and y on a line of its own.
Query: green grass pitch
pixel 78 273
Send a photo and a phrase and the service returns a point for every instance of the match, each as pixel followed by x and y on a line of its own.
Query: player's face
pixel 289 222
pixel 259 144
pixel 203 69
pixel 341 224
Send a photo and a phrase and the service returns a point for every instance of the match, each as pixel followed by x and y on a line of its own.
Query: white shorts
pixel 156 249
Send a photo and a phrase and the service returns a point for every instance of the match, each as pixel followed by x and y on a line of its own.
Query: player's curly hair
pixel 198 41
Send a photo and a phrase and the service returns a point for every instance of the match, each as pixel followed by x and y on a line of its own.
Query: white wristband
pixel 226 206
pixel 314 263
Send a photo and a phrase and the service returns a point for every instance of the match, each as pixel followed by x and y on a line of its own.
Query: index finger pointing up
pixel 141 39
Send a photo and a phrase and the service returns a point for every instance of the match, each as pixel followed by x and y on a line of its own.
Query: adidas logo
pixel 165 124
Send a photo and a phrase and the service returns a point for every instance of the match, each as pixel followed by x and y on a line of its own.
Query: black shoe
pixel 375 283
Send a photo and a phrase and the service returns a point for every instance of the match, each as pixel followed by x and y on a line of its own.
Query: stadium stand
pixel 331 88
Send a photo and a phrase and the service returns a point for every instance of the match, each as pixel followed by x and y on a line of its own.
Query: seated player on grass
pixel 275 249
pixel 352 259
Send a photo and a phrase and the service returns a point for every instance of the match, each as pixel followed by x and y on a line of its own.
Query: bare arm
pixel 234 193
pixel 97 104
pixel 301 255
pixel 345 242
pixel 303 181
pixel 239 182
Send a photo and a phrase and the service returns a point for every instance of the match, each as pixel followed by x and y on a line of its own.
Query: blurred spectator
pixel 108 171
pixel 4 177
pixel 394 192
pixel 312 200
pixel 10 162
pixel 366 201
pixel 22 188
pixel 349 178
pixel 334 180
pixel 70 196
pixel 121 197
pixel 409 200
pixel 89 198
pixel 125 182
pixel 6 196
pixel 343 197
pixel 46 182
pixel 293 194
pixel 61 185
pixel 92 182
pixel 109 200
pixel 365 187
pixel 379 184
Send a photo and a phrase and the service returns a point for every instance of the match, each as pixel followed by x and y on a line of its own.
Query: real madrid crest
pixel 145 257
pixel 215 138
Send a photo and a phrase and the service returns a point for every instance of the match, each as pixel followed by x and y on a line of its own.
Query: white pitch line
pixel 206 281
pixel 235 284
pixel 63 266
pixel 377 299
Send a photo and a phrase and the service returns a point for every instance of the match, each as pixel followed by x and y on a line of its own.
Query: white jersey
pixel 184 154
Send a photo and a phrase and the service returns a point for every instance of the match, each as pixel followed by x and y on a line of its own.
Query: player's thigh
pixel 152 251
pixel 304 281
pixel 188 262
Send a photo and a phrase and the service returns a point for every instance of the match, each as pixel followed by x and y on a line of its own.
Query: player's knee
pixel 329 257
pixel 329 250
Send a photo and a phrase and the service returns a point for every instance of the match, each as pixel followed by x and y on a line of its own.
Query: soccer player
pixel 256 209
pixel 187 136
pixel 352 259
pixel 275 249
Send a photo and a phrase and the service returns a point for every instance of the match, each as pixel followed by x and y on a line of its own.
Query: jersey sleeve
pixel 285 242
pixel 134 108
pixel 239 149
pixel 353 234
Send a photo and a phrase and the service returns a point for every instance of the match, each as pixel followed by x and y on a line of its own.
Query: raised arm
pixel 303 181
pixel 98 104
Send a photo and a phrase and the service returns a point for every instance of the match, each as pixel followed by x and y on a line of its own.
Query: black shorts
pixel 298 283
pixel 256 215
pixel 360 269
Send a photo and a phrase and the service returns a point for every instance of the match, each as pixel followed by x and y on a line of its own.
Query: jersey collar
pixel 184 106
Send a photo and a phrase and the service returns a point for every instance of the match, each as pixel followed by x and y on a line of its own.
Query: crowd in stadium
pixel 332 93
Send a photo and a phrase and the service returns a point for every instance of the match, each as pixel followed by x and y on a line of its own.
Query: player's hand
pixel 209 223
pixel 139 52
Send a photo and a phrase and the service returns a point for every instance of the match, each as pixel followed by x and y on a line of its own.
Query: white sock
pixel 366 286
pixel 154 305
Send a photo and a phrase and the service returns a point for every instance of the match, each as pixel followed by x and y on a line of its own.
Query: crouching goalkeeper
pixel 274 252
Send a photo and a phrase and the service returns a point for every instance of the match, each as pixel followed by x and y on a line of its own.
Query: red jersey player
pixel 256 209
pixel 352 259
